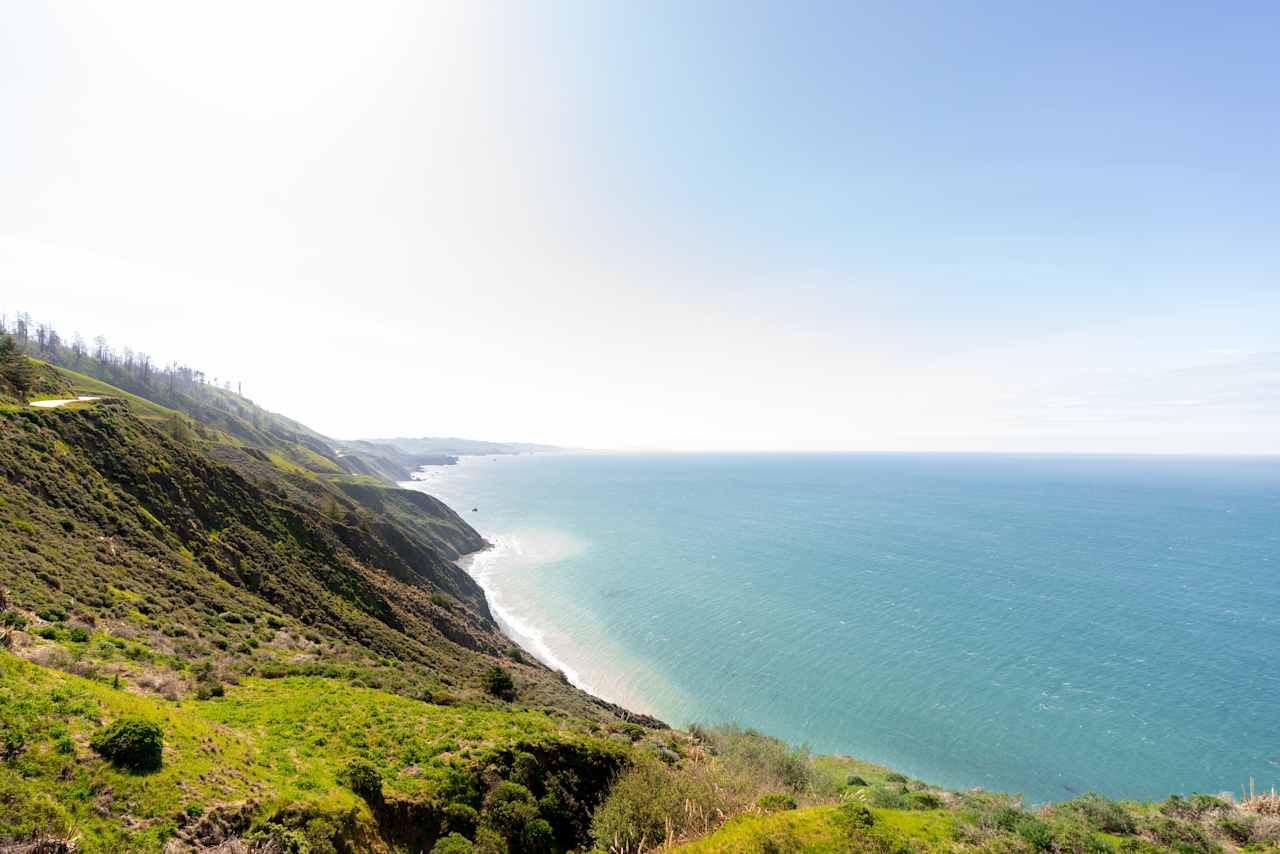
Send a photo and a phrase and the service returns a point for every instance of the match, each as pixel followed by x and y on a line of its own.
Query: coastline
pixel 524 552
pixel 529 638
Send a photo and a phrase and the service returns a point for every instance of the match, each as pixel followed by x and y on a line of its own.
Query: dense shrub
pixel 460 818
pixel 649 798
pixel 1101 814
pixel 759 762
pixel 508 810
pixel 924 801
pixel 497 681
pixel 454 843
pixel 854 818
pixel 855 780
pixel 776 801
pixel 1237 829
pixel 363 777
pixel 130 742
pixel 889 799
pixel 895 777
pixel 538 837
pixel 1185 836
pixel 78 634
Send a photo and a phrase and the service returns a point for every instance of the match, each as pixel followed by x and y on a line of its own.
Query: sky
pixel 977 226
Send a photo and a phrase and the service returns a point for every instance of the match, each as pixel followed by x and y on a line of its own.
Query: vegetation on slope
pixel 220 633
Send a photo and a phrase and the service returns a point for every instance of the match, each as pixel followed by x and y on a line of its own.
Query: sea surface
pixel 1037 624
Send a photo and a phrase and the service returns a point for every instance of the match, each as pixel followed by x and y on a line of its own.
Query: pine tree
pixel 15 368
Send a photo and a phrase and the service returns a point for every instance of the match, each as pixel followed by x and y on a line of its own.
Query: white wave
pixel 522 552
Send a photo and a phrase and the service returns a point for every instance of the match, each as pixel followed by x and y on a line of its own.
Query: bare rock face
pixel 218 830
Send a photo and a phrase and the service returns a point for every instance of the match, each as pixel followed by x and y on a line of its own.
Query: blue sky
pixel 982 226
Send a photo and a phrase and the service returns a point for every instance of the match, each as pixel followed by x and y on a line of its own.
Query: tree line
pixel 124 366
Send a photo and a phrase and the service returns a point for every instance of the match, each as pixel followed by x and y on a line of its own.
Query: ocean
pixel 1039 624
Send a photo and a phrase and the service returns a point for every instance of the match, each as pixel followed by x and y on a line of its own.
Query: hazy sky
pixel 896 225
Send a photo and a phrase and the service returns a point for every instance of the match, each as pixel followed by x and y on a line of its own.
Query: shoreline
pixel 525 636
pixel 532 638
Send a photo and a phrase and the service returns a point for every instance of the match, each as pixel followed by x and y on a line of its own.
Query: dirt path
pixel 50 404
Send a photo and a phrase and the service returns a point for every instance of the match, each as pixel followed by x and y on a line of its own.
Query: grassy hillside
pixel 270 759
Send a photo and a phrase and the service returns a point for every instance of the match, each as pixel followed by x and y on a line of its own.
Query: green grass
pixel 816 829
pixel 86 385
pixel 281 743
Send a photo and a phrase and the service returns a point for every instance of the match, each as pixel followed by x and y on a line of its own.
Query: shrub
pixel 761 762
pixel 78 634
pixel 854 818
pixel 363 777
pixel 1238 830
pixel 776 802
pixel 778 841
pixel 497 681
pixel 895 777
pixel 454 843
pixel 538 837
pixel 130 742
pixel 489 841
pixel 855 780
pixel 649 797
pixel 1101 814
pixel 1181 835
pixel 508 808
pixel 924 801
pixel 52 615
pixel 889 799
pixel 460 818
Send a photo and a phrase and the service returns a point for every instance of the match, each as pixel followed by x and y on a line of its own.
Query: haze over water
pixel 1024 623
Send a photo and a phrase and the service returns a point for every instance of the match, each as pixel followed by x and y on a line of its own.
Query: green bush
pixel 78 634
pixel 1185 836
pixel 776 802
pixel 924 801
pixel 855 780
pixel 497 681
pixel 1238 830
pixel 649 797
pixel 130 742
pixel 854 818
pixel 758 761
pixel 460 818
pixel 895 777
pixel 508 810
pixel 363 777
pixel 889 799
pixel 454 843
pixel 538 837
pixel 1101 814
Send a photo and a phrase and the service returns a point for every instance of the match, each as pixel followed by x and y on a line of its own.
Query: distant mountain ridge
pixel 460 447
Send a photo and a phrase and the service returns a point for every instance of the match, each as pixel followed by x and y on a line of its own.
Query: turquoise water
pixel 1036 624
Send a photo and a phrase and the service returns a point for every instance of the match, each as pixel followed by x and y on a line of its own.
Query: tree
pixel 15 369
pixel 498 682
